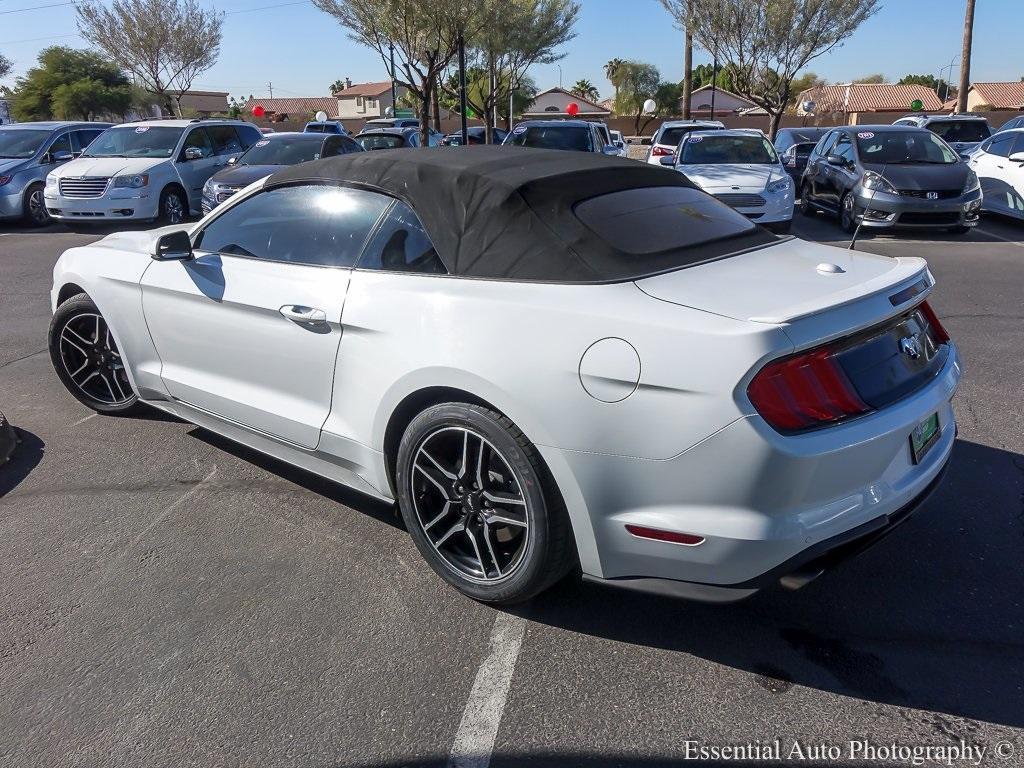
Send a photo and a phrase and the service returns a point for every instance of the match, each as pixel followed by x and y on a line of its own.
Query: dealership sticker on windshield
pixel 519 129
pixel 696 138
pixel 865 135
pixel 262 143
pixel 142 129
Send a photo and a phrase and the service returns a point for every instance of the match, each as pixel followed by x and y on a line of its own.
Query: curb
pixel 8 440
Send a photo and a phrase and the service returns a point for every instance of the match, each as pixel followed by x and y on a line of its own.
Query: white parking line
pixel 82 421
pixel 474 741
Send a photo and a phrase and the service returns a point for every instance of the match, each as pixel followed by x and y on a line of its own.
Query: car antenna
pixel 871 199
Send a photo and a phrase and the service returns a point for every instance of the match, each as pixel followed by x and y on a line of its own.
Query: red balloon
pixel 573 109
pixel 258 110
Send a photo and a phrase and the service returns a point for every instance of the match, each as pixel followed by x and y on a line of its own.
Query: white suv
pixel 672 132
pixel 152 169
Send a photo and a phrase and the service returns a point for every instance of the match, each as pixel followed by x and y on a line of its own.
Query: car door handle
pixel 300 314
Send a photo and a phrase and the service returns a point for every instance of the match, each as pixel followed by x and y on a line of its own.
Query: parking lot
pixel 171 599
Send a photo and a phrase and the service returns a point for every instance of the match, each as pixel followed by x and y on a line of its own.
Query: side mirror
pixel 61 156
pixel 193 153
pixel 836 160
pixel 174 246
pixel 610 149
pixel 232 160
pixel 1016 157
pixel 668 160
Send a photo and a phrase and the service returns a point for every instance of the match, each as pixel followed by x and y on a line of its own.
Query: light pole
pixel 394 96
pixel 714 76
pixel 559 75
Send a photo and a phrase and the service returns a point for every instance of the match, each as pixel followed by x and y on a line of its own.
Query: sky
pixel 299 50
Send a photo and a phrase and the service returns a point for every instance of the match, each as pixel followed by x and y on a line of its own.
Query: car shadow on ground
pixel 930 618
pixel 27 455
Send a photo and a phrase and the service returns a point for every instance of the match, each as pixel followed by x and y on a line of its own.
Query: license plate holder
pixel 923 437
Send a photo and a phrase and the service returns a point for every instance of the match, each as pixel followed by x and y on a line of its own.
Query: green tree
pixel 723 78
pixel 639 82
pixel 337 87
pixel 874 79
pixel 803 83
pixel 613 70
pixel 585 89
pixel 166 44
pixel 5 66
pixel 69 84
pixel 768 42
pixel 940 86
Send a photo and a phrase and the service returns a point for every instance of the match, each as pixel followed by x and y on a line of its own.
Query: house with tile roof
pixel 996 96
pixel 365 100
pixel 554 102
pixel 298 108
pixel 868 102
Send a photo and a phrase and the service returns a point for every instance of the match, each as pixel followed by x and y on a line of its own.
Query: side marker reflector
pixel 643 532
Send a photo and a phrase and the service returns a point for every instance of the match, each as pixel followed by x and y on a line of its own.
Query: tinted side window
pixel 248 134
pixel 844 148
pixel 825 143
pixel 225 140
pixel 783 141
pixel 61 144
pixel 198 138
pixel 1001 144
pixel 84 138
pixel 310 224
pixel 1018 145
pixel 401 245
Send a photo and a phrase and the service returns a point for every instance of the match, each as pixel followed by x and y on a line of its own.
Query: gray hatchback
pixel 29 151
pixel 890 176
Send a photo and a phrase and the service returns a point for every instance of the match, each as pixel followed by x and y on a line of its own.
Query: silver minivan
pixel 29 151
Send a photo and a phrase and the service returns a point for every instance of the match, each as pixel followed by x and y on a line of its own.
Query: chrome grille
pixel 922 194
pixel 223 192
pixel 741 199
pixel 84 186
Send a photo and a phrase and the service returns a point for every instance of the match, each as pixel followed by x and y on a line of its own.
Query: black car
pixel 476 134
pixel 890 176
pixel 390 138
pixel 794 145
pixel 269 154
pixel 573 135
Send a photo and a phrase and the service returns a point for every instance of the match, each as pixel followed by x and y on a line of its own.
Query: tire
pixel 173 206
pixel 780 227
pixel 87 360
pixel 848 213
pixel 489 558
pixel 806 207
pixel 34 206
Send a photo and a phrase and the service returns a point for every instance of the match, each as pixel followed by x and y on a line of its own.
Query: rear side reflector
pixel 657 534
pixel 805 390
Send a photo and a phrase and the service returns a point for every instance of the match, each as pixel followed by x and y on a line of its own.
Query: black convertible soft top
pixel 501 212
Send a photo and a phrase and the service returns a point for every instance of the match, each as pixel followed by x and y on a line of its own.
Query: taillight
pixel 661 151
pixel 805 390
pixel 940 334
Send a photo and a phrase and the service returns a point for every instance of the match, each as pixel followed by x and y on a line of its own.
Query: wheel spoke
pixel 459 526
pixel 117 383
pixel 444 511
pixel 442 470
pixel 490 549
pixel 81 339
pixel 480 466
pixel 81 368
pixel 96 339
pixel 503 499
pixel 106 381
pixel 476 551
pixel 504 519
pixel 430 474
pixel 88 378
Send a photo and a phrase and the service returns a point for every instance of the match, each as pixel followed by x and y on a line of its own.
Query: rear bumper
pixel 766 505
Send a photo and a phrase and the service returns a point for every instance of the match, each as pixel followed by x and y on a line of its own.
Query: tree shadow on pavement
pixel 27 455
pixel 930 618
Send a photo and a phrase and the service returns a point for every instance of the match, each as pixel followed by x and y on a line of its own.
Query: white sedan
pixel 999 163
pixel 740 168
pixel 550 360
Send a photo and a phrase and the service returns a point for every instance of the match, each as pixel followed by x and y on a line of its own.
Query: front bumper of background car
pixel 884 210
pixel 760 205
pixel 114 205
pixel 767 507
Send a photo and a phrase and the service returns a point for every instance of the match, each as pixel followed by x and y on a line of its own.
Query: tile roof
pixel 297 106
pixel 870 97
pixel 366 89
pixel 1001 95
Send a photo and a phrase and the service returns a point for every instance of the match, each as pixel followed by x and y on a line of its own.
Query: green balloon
pixel 917 105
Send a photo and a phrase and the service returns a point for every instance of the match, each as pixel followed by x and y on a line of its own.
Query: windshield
pixel 141 141
pixel 672 136
pixel 21 144
pixel 380 141
pixel 282 151
pixel 720 150
pixel 902 147
pixel 569 137
pixel 968 131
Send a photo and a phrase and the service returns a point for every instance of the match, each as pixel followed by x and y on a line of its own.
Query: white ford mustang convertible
pixel 550 360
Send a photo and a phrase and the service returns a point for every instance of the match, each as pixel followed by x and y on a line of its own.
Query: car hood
pixel 107 166
pixel 924 176
pixel 11 165
pixel 243 175
pixel 726 176
pixel 781 282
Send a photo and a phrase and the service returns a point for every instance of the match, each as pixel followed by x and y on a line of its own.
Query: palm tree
pixel 613 71
pixel 337 87
pixel 585 89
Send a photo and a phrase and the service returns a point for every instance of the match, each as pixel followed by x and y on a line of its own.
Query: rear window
pixel 380 141
pixel 672 136
pixel 961 130
pixel 554 137
pixel 653 220
pixel 726 149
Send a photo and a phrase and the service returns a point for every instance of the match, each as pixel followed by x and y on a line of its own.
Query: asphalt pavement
pixel 170 599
